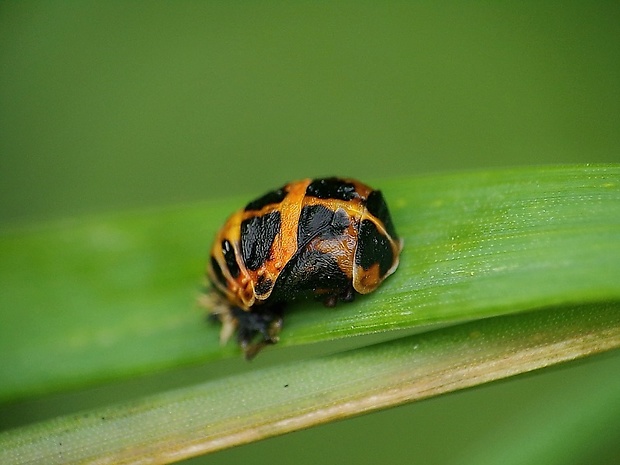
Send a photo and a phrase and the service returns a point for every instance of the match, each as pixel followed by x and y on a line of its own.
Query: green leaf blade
pixel 97 299
pixel 263 403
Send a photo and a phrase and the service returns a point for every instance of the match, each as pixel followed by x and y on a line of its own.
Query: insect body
pixel 330 238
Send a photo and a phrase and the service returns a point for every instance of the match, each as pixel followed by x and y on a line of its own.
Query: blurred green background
pixel 115 105
pixel 107 105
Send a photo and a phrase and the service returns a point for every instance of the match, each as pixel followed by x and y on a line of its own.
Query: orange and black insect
pixel 331 238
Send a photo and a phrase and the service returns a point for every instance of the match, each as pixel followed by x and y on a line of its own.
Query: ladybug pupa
pixel 331 238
